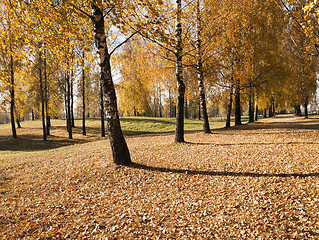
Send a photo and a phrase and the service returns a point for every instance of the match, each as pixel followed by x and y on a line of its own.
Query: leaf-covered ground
pixel 258 181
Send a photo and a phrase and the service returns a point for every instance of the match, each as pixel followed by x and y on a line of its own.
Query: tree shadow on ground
pixel 35 143
pixel 216 173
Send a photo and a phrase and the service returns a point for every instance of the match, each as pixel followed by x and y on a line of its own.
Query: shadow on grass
pixel 35 143
pixel 230 174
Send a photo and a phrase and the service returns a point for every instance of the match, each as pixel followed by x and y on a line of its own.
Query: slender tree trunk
pixel 170 103
pixel 273 107
pixel 251 107
pixel 265 113
pixel 46 98
pixel 32 115
pixel 68 100
pixel 229 107
pixel 186 108
pixel 179 131
pixel 42 98
pixel 200 75
pixel 102 111
pixel 256 110
pixel 18 121
pixel 134 111
pixel 121 155
pixel 83 97
pixel 237 104
pixel 72 100
pixel 160 103
pixel 306 110
pixel 154 110
pixel 12 100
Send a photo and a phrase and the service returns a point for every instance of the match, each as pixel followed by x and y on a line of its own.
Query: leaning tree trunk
pixel 121 154
pixel 200 75
pixel 229 107
pixel 179 131
pixel 12 102
pixel 237 104
pixel 83 98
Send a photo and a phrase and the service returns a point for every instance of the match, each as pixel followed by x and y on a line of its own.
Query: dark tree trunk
pixel 18 121
pixel 256 110
pixel 251 108
pixel 12 101
pixel 121 155
pixel 160 103
pixel 68 105
pixel 273 107
pixel 298 110
pixel 271 114
pixel 102 111
pixel 72 100
pixel 179 131
pixel 306 110
pixel 83 97
pixel 46 98
pixel 200 75
pixel 32 115
pixel 237 104
pixel 229 107
pixel 265 113
pixel 134 111
pixel 42 98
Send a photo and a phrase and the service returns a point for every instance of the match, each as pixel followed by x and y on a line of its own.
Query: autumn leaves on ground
pixel 256 181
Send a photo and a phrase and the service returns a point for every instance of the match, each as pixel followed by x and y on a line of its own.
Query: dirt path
pixel 256 181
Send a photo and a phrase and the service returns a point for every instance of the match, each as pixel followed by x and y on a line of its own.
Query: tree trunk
pixel 72 100
pixel 134 111
pixel 306 110
pixel 83 97
pixel 160 103
pixel 18 121
pixel 102 111
pixel 270 110
pixel 121 155
pixel 265 113
pixel 200 75
pixel 170 104
pixel 186 108
pixel 46 98
pixel 273 107
pixel 12 101
pixel 179 131
pixel 251 108
pixel 68 105
pixel 237 104
pixel 229 107
pixel 32 115
pixel 42 98
pixel 256 110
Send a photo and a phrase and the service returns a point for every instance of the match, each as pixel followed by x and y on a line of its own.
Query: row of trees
pixel 184 55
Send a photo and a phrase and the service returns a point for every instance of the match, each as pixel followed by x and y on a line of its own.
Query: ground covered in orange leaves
pixel 256 181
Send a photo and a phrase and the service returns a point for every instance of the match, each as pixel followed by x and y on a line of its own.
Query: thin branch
pixel 126 40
